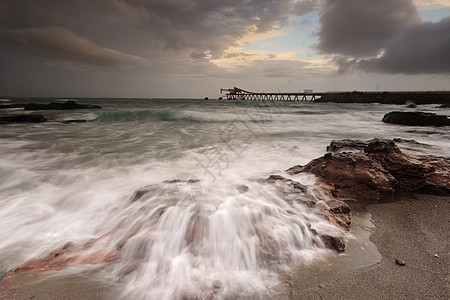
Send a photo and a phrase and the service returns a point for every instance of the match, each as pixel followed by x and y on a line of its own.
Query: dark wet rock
pixel 445 105
pixel 378 172
pixel 400 262
pixel 74 121
pixel 423 131
pixel 340 212
pixel 6 106
pixel 217 284
pixel 346 144
pixel 68 105
pixel 334 242
pixel 271 250
pixel 242 188
pixel 33 118
pixel 413 142
pixel 416 119
pixel 293 185
pixel 410 104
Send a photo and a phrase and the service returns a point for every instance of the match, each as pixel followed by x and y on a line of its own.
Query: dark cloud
pixel 62 44
pixel 363 27
pixel 424 48
pixel 384 36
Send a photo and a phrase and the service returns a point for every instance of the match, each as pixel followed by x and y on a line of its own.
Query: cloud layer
pixel 383 36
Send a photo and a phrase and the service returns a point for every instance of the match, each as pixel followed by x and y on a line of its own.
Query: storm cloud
pixel 202 26
pixel 63 44
pixel 383 36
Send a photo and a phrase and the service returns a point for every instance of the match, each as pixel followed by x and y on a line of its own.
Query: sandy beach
pixel 414 228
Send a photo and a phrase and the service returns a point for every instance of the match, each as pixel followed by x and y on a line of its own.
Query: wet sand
pixel 416 229
pixel 40 286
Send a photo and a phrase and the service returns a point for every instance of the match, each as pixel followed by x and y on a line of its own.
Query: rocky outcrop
pixel 335 211
pixel 379 171
pixel 416 119
pixel 33 118
pixel 68 105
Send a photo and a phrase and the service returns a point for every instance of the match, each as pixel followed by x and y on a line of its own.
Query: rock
pixel 400 262
pixel 378 172
pixel 74 121
pixel 445 105
pixel 341 213
pixel 217 284
pixel 23 119
pixel 242 188
pixel 334 242
pixel 68 105
pixel 69 255
pixel 352 175
pixel 410 104
pixel 416 119
pixel 335 211
pixel 5 106
pixel 337 145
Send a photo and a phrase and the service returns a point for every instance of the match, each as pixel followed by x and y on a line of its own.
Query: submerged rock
pixel 68 105
pixel 33 118
pixel 378 172
pixel 6 106
pixel 416 119
pixel 335 211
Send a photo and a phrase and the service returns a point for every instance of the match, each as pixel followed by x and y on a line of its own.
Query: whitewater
pixel 176 186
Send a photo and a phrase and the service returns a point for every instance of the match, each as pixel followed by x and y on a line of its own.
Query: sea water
pixel 75 182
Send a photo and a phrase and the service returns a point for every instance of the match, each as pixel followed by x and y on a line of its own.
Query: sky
pixel 193 48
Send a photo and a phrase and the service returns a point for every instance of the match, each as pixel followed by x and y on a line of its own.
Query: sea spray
pixel 189 239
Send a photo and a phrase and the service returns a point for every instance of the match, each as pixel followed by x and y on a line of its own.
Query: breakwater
pixel 425 97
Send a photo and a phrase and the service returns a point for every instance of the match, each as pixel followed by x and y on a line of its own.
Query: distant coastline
pixel 419 97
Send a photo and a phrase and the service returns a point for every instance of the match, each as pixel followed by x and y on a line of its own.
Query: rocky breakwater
pixel 378 171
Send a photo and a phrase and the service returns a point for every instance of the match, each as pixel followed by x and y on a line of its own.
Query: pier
pixel 395 97
pixel 240 94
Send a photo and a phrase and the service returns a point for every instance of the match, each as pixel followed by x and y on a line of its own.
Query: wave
pixel 137 115
pixel 171 115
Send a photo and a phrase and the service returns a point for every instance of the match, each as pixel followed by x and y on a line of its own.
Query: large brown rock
pixel 379 171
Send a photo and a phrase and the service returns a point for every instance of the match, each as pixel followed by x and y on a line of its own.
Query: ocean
pixel 191 160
